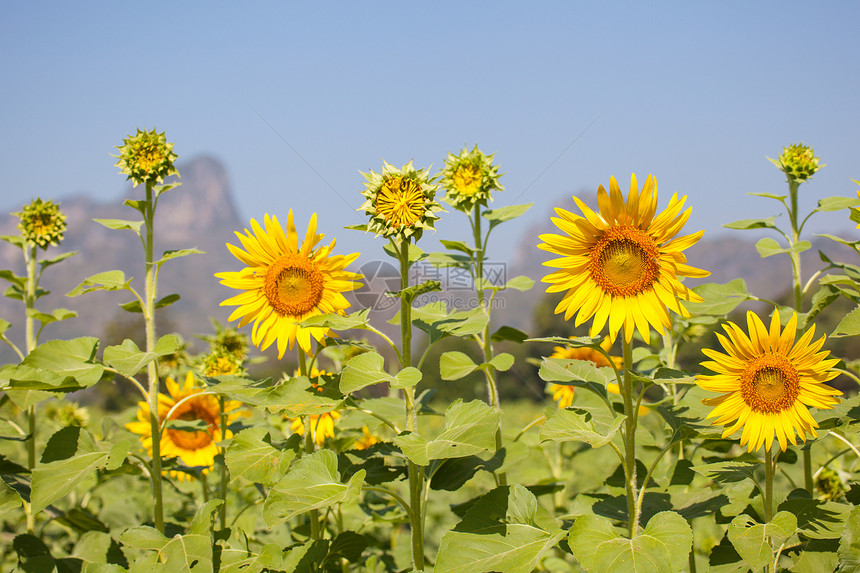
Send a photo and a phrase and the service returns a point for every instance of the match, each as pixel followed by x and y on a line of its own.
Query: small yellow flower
pixel 469 178
pixel 193 448
pixel 768 382
pixel 322 425
pixel 220 363
pixel 366 440
pixel 798 162
pixel 146 157
pixel 42 223
pixel 400 202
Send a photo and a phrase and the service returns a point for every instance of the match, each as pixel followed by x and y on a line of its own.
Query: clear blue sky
pixel 695 93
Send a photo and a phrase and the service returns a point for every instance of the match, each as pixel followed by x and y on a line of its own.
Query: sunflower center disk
pixel 400 202
pixel 770 384
pixel 189 412
pixel 467 179
pixel 625 261
pixel 293 285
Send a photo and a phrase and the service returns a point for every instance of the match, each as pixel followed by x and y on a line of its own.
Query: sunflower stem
pixel 313 514
pixel 486 341
pixel 415 473
pixel 30 342
pixel 150 292
pixel 769 464
pixel 629 436
pixel 223 478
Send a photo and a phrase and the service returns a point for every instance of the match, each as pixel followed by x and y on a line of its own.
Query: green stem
pixel 487 343
pixel 415 472
pixel 30 342
pixel 310 445
pixel 630 438
pixel 223 478
pixel 152 368
pixel 768 486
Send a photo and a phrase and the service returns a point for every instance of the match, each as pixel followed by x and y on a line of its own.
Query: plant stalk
pixel 629 437
pixel 30 342
pixel 223 478
pixel 310 446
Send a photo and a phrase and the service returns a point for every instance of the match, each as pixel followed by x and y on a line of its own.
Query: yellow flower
pixel 42 223
pixel 798 162
pixel 400 202
pixel 146 157
pixel 366 440
pixel 285 283
pixel 621 266
pixel 322 426
pixel 563 394
pixel 193 448
pixel 469 178
pixel 768 381
pixel 222 363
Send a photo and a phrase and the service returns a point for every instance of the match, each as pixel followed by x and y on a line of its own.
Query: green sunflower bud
pixel 469 179
pixel 400 202
pixel 42 223
pixel 222 363
pixel 798 162
pixel 829 486
pixel 146 157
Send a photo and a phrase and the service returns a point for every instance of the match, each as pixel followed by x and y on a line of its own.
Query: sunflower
pixel 42 223
pixel 768 381
pixel 400 202
pixel 366 440
pixel 193 448
pixel 146 157
pixel 322 425
pixel 469 178
pixel 285 283
pixel 563 394
pixel 621 266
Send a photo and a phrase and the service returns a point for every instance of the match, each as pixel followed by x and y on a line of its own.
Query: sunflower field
pixel 345 461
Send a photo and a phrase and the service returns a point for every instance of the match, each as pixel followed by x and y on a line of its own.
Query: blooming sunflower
pixel 194 448
pixel 400 202
pixel 768 381
pixel 469 178
pixel 285 283
pixel 621 266
pixel 322 425
pixel 563 394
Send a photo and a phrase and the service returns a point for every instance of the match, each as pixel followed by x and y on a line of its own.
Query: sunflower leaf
pixel 78 460
pixel 187 425
pixel 119 224
pixel 364 370
pixel 177 253
pixel 745 224
pixel 768 247
pixel 406 378
pixel 501 362
pixel 56 365
pixel 296 397
pixel 753 540
pixel 729 471
pixel 663 546
pixel 312 483
pixel 837 203
pixel 454 365
pixel 109 281
pixel 504 530
pixel 338 321
pixel 578 426
pixel 848 326
pixel 502 214
pixel 251 456
pixel 45 263
pixel 509 333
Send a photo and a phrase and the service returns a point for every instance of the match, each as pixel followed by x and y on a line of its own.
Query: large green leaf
pixel 270 558
pixel 662 547
pixel 56 365
pixel 470 428
pixel 297 397
pixel 454 365
pixel 251 456
pixel 768 247
pixel 127 358
pixel 719 299
pixel 571 370
pixel 55 479
pixel 109 280
pixel 502 214
pixel 312 483
pixel 506 530
pixel 579 426
pixel 849 545
pixel 750 539
pixel 9 499
pixel 848 326
pixel 362 371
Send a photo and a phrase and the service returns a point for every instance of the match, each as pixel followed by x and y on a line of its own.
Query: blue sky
pixel 565 93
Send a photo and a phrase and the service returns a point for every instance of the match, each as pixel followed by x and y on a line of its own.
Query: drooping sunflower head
pixel 400 202
pixel 187 403
pixel 622 265
pixel 562 393
pixel 798 162
pixel 146 157
pixel 469 179
pixel 42 223
pixel 768 382
pixel 285 283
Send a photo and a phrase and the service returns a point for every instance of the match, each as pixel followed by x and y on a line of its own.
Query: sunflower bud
pixel 222 363
pixel 400 202
pixel 146 157
pixel 42 223
pixel 829 486
pixel 469 178
pixel 798 162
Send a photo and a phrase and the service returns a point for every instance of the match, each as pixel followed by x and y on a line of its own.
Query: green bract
pixel 798 162
pixel 400 202
pixel 146 157
pixel 469 178
pixel 42 223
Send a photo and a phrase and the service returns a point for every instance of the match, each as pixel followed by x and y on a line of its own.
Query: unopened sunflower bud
pixel 146 157
pixel 798 162
pixel 222 364
pixel 469 178
pixel 42 223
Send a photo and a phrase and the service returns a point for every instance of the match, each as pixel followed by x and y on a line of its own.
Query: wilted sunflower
pixel 563 394
pixel 621 266
pixel 768 381
pixel 285 283
pixel 400 202
pixel 469 178
pixel 194 448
